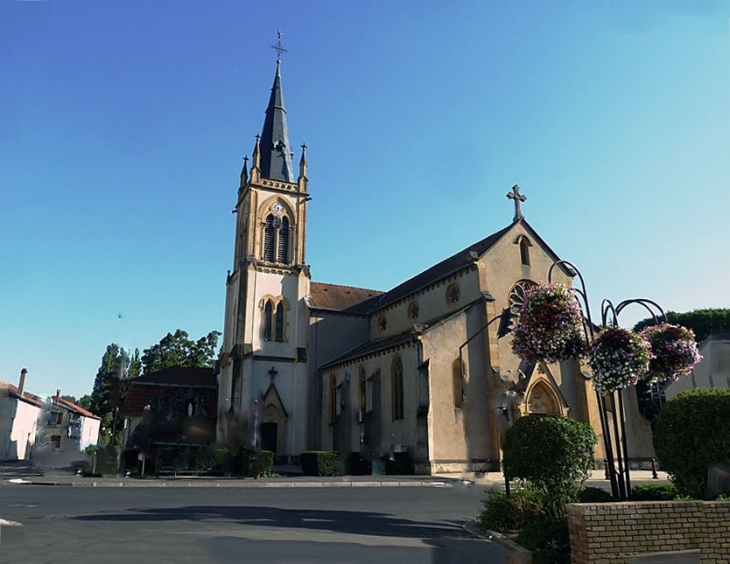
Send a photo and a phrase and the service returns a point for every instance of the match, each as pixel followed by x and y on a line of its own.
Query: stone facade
pixel 614 533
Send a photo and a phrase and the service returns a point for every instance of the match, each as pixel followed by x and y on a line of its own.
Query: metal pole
pixel 619 454
pixel 624 443
pixel 610 468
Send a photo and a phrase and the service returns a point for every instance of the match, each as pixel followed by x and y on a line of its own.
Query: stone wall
pixel 612 533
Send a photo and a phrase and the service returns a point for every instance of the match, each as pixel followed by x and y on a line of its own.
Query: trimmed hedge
pixel 555 454
pixel 653 492
pixel 321 463
pixel 692 431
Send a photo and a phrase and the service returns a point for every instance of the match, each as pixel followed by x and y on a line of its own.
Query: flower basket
pixel 618 358
pixel 550 325
pixel 674 349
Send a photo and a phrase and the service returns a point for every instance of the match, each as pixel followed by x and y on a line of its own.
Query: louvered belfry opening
pixel 276 239
pixel 283 247
pixel 268 315
pixel 269 239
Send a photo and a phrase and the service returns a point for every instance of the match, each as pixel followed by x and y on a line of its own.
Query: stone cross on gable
pixel 517 198
pixel 273 372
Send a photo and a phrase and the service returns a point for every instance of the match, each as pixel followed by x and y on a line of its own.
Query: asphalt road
pixel 282 525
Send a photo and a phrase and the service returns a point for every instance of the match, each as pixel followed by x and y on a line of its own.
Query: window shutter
pixel 284 241
pixel 269 239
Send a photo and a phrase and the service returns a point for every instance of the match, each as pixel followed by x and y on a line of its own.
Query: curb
pixel 111 483
pixel 515 554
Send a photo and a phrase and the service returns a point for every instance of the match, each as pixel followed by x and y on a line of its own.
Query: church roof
pixel 440 270
pixel 276 152
pixel 455 263
pixel 178 376
pixel 346 299
pixel 372 347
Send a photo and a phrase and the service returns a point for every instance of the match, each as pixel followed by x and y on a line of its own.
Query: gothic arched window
pixel 274 318
pixel 283 241
pixel 279 322
pixel 396 384
pixel 269 238
pixel 525 251
pixel 276 235
pixel 333 398
pixel 362 391
pixel 268 318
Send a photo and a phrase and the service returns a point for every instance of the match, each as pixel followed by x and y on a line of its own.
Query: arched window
pixel 279 322
pixel 396 383
pixel 458 380
pixel 283 243
pixel 276 236
pixel 268 318
pixel 525 251
pixel 274 318
pixel 269 238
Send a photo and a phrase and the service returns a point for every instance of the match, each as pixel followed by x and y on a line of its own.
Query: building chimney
pixel 58 397
pixel 21 384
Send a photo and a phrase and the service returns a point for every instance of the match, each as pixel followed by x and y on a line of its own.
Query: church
pixel 423 371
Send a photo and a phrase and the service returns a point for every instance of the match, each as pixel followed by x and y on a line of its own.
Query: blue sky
pixel 123 126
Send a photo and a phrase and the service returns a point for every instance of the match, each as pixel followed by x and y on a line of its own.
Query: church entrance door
pixel 269 432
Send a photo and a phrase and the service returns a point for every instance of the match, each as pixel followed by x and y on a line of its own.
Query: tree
pixel 691 432
pixel 115 363
pixel 178 350
pixel 555 454
pixel 702 321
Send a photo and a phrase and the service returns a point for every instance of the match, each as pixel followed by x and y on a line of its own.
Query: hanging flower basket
pixel 618 358
pixel 674 349
pixel 550 325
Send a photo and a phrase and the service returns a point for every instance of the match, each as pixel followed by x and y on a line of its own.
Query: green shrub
pixel 594 495
pixel 266 464
pixel 508 513
pixel 321 463
pixel 213 461
pixel 548 540
pixel 653 492
pixel 692 432
pixel 555 454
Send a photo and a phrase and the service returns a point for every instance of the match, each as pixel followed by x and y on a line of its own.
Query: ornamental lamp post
pixel 611 400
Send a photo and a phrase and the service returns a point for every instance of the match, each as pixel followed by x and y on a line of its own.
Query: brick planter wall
pixel 609 533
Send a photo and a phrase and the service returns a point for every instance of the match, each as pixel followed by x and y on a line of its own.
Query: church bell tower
pixel 263 376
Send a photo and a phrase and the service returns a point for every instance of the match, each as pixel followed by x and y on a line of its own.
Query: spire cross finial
pixel 517 197
pixel 279 48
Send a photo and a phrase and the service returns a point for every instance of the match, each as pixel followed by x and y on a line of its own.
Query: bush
pixel 508 513
pixel 693 431
pixel 594 495
pixel 548 540
pixel 654 492
pixel 246 464
pixel 554 453
pixel 213 461
pixel 321 463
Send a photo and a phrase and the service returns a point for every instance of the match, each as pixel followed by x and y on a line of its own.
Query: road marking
pixel 6 523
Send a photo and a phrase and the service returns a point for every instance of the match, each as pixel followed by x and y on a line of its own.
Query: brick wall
pixel 608 533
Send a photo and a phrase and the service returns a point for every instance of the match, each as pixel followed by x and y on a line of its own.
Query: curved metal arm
pixel 648 304
pixel 607 308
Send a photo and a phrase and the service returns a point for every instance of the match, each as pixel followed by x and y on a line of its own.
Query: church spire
pixel 276 163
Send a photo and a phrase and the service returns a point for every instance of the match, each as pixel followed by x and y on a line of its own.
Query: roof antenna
pixel 278 47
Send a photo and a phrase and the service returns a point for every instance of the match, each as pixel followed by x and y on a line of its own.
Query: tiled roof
pixel 341 298
pixel 167 382
pixel 372 347
pixel 30 398
pixel 77 408
pixel 444 268
pixel 179 375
